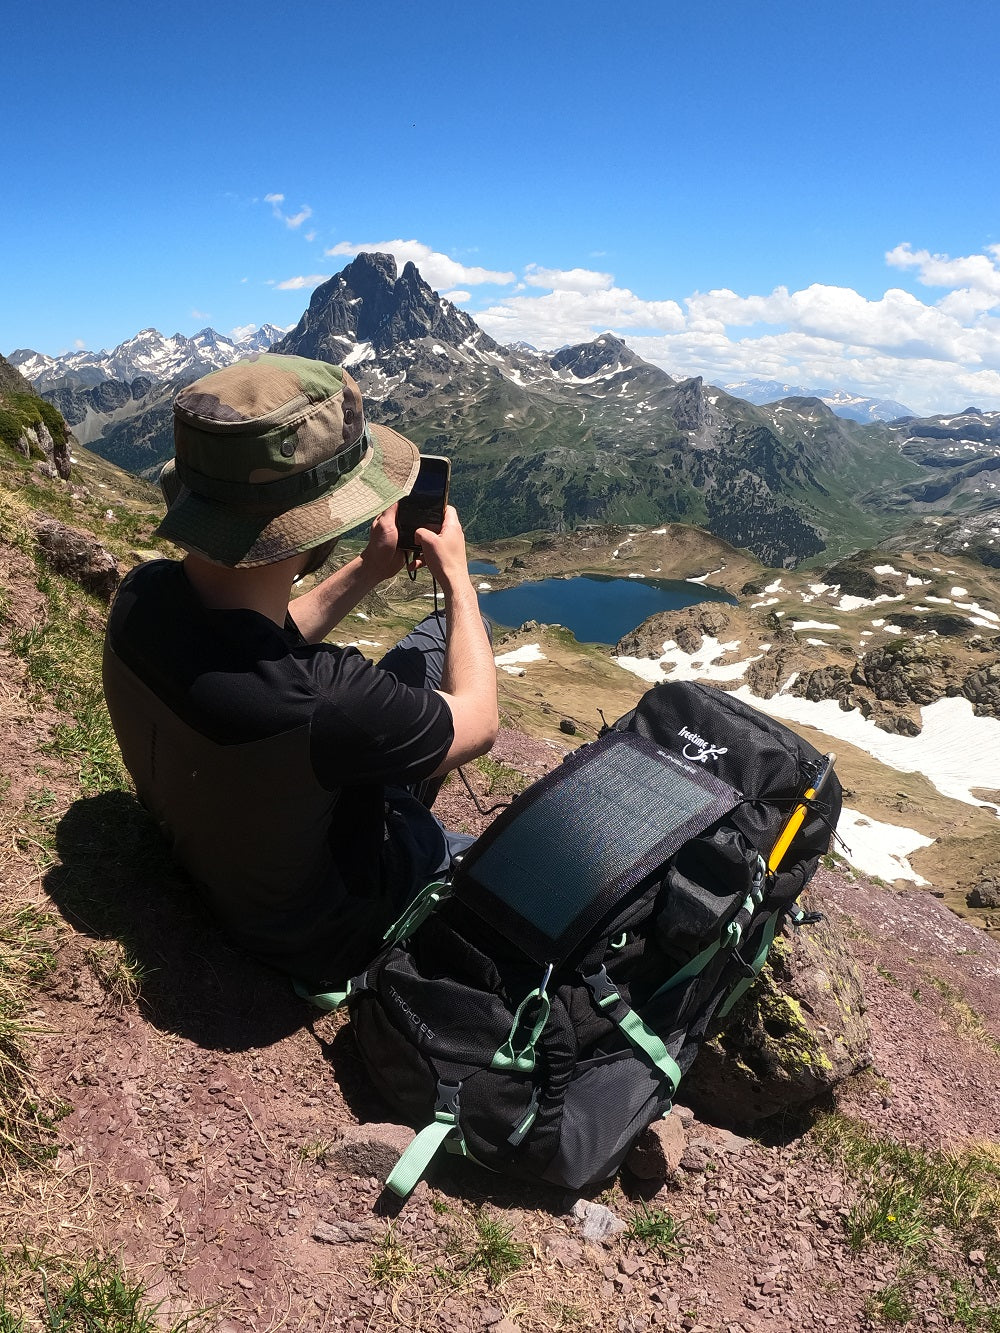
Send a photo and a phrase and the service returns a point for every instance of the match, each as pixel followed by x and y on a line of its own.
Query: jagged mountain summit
pixel 367 310
pixel 853 406
pixel 589 434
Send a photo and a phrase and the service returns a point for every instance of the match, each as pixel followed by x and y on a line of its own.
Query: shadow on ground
pixel 115 880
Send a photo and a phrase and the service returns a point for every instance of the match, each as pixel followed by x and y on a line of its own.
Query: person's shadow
pixel 115 880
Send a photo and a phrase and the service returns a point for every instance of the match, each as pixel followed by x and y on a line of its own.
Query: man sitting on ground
pixel 286 771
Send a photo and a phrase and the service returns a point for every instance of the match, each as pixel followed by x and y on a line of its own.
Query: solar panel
pixel 563 855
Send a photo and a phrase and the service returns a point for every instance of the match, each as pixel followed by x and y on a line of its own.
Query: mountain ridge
pixel 854 406
pixel 591 433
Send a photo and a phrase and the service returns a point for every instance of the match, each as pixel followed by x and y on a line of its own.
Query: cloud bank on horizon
pixel 934 355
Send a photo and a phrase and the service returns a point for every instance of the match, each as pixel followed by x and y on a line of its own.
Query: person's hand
pixel 444 552
pixel 382 555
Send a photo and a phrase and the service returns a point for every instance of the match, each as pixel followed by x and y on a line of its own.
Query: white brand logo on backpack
pixel 415 1019
pixel 698 749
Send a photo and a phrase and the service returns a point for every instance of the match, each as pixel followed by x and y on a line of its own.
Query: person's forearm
pixel 469 678
pixel 318 611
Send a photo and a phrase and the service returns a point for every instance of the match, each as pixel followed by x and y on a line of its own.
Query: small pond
pixel 597 608
pixel 482 567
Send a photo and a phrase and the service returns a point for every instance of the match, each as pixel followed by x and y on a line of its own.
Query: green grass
pixel 962 1017
pixel 905 1195
pixel 62 655
pixel 565 1314
pixel 315 1150
pixel 119 973
pixel 965 1307
pixel 391 1265
pixel 490 1253
pixel 501 779
pixel 495 1254
pixel 95 1295
pixel 656 1229
pixel 25 958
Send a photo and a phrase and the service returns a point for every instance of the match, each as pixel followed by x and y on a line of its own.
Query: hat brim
pixel 240 538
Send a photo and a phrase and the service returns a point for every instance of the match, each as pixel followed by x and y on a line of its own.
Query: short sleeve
pixel 370 727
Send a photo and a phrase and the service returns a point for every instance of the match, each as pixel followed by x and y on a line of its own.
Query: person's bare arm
pixel 469 680
pixel 318 611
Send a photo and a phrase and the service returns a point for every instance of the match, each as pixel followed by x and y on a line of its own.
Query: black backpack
pixel 540 1008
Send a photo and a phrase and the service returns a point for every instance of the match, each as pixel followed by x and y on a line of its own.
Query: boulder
pixel 768 673
pixel 982 689
pixel 797 1033
pixel 906 672
pixel 828 682
pixel 892 718
pixel 688 639
pixel 659 1149
pixel 79 556
pixel 371 1150
pixel 595 1222
pixel 985 894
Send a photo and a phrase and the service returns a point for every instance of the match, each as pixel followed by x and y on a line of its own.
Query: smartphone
pixel 425 505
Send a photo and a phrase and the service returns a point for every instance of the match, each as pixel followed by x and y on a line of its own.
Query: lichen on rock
pixel 796 1034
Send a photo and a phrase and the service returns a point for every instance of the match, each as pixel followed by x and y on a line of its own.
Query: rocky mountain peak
pixel 370 302
pixel 601 356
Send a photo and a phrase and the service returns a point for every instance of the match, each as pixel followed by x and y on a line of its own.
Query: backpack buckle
pixel 602 988
pixel 446 1104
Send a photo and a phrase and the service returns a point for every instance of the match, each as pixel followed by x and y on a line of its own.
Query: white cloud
pixel 290 220
pixel 79 344
pixel 296 284
pixel 972 272
pixel 934 356
pixel 304 213
pixel 568 316
pixel 457 297
pixel 568 280
pixel 200 314
pixel 436 268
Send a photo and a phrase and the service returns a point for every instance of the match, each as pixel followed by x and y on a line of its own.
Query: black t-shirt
pixel 266 761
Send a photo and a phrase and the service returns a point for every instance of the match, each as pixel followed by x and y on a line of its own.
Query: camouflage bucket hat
pixel 273 456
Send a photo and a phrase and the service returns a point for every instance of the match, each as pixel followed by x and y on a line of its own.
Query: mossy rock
pixel 796 1034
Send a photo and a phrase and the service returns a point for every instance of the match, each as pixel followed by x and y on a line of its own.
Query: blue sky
pixel 802 191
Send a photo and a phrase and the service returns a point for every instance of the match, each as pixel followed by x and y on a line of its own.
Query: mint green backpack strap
pixel 417 1157
pixel 752 969
pixel 694 968
pixel 417 911
pixel 328 1000
pixel 644 1039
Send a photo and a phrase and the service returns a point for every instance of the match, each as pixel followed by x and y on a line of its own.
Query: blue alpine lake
pixel 482 567
pixel 597 608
